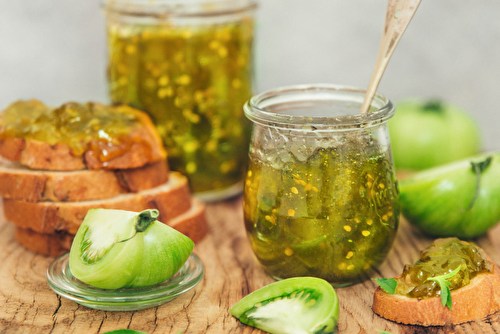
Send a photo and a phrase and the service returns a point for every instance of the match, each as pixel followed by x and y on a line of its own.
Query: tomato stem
pixel 145 218
pixel 434 105
pixel 478 168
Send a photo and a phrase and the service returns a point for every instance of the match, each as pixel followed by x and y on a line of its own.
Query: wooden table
pixel 27 305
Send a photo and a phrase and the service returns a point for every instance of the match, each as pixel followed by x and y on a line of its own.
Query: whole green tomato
pixel 426 134
pixel 121 249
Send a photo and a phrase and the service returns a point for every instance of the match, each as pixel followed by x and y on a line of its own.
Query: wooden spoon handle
pixel 399 15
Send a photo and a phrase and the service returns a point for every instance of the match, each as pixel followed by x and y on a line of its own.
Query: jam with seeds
pixel 193 80
pixel 321 195
pixel 333 216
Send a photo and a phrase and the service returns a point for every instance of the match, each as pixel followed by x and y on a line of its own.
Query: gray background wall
pixel 54 50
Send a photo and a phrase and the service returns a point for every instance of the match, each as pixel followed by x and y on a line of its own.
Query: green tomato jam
pixel 193 81
pixel 333 216
pixel 82 127
pixel 440 258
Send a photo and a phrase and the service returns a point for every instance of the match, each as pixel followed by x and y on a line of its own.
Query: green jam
pixel 442 257
pixel 333 215
pixel 193 81
pixel 89 126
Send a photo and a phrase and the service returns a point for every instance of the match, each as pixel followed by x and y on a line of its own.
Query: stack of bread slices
pixel 47 189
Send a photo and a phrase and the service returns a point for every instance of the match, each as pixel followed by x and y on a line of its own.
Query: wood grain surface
pixel 27 305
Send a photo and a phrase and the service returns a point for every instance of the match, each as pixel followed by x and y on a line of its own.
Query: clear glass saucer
pixel 63 283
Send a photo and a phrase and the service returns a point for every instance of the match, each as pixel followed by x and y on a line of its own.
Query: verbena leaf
pixel 387 284
pixel 448 275
pixel 445 293
pixel 382 332
pixel 444 285
pixel 125 331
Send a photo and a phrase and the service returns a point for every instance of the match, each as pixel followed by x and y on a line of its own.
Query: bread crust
pixel 191 223
pixel 145 147
pixel 476 300
pixel 171 199
pixel 20 183
pixel 53 244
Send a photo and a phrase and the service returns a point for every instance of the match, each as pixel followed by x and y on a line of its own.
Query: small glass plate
pixel 63 283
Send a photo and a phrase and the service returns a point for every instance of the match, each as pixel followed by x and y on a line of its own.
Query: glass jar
pixel 189 65
pixel 321 196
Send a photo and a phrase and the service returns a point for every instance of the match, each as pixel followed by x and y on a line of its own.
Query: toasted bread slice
pixel 191 223
pixel 171 198
pixel 21 183
pixel 139 146
pixel 476 300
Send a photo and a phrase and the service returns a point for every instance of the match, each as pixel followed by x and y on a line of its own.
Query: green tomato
pixel 426 134
pixel 121 249
pixel 459 199
pixel 294 305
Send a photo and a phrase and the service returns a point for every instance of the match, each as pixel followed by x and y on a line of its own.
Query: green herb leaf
pixel 478 168
pixel 387 284
pixel 444 285
pixel 125 331
pixel 382 332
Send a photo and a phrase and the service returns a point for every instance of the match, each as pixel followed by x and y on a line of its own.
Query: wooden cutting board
pixel 27 305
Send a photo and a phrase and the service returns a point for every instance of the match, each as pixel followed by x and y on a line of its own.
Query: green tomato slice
pixel 160 263
pixel 454 200
pixel 115 249
pixel 99 255
pixel 294 305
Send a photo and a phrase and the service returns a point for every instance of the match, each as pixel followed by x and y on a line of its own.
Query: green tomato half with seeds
pixel 121 249
pixel 460 199
pixel 426 134
pixel 293 305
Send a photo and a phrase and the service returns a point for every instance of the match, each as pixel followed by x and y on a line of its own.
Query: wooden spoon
pixel 398 16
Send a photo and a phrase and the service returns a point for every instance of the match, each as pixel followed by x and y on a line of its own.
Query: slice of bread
pixel 476 300
pixel 51 244
pixel 192 223
pixel 171 199
pixel 21 183
pixel 141 145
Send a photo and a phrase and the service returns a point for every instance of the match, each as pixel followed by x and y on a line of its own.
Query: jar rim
pixel 178 8
pixel 257 108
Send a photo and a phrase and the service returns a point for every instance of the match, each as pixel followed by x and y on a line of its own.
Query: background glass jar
pixel 189 65
pixel 321 195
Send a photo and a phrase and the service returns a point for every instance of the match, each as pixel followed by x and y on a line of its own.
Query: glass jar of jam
pixel 321 196
pixel 189 65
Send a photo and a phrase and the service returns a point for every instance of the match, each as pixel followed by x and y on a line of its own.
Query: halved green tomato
pixel 294 305
pixel 115 249
pixel 459 199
